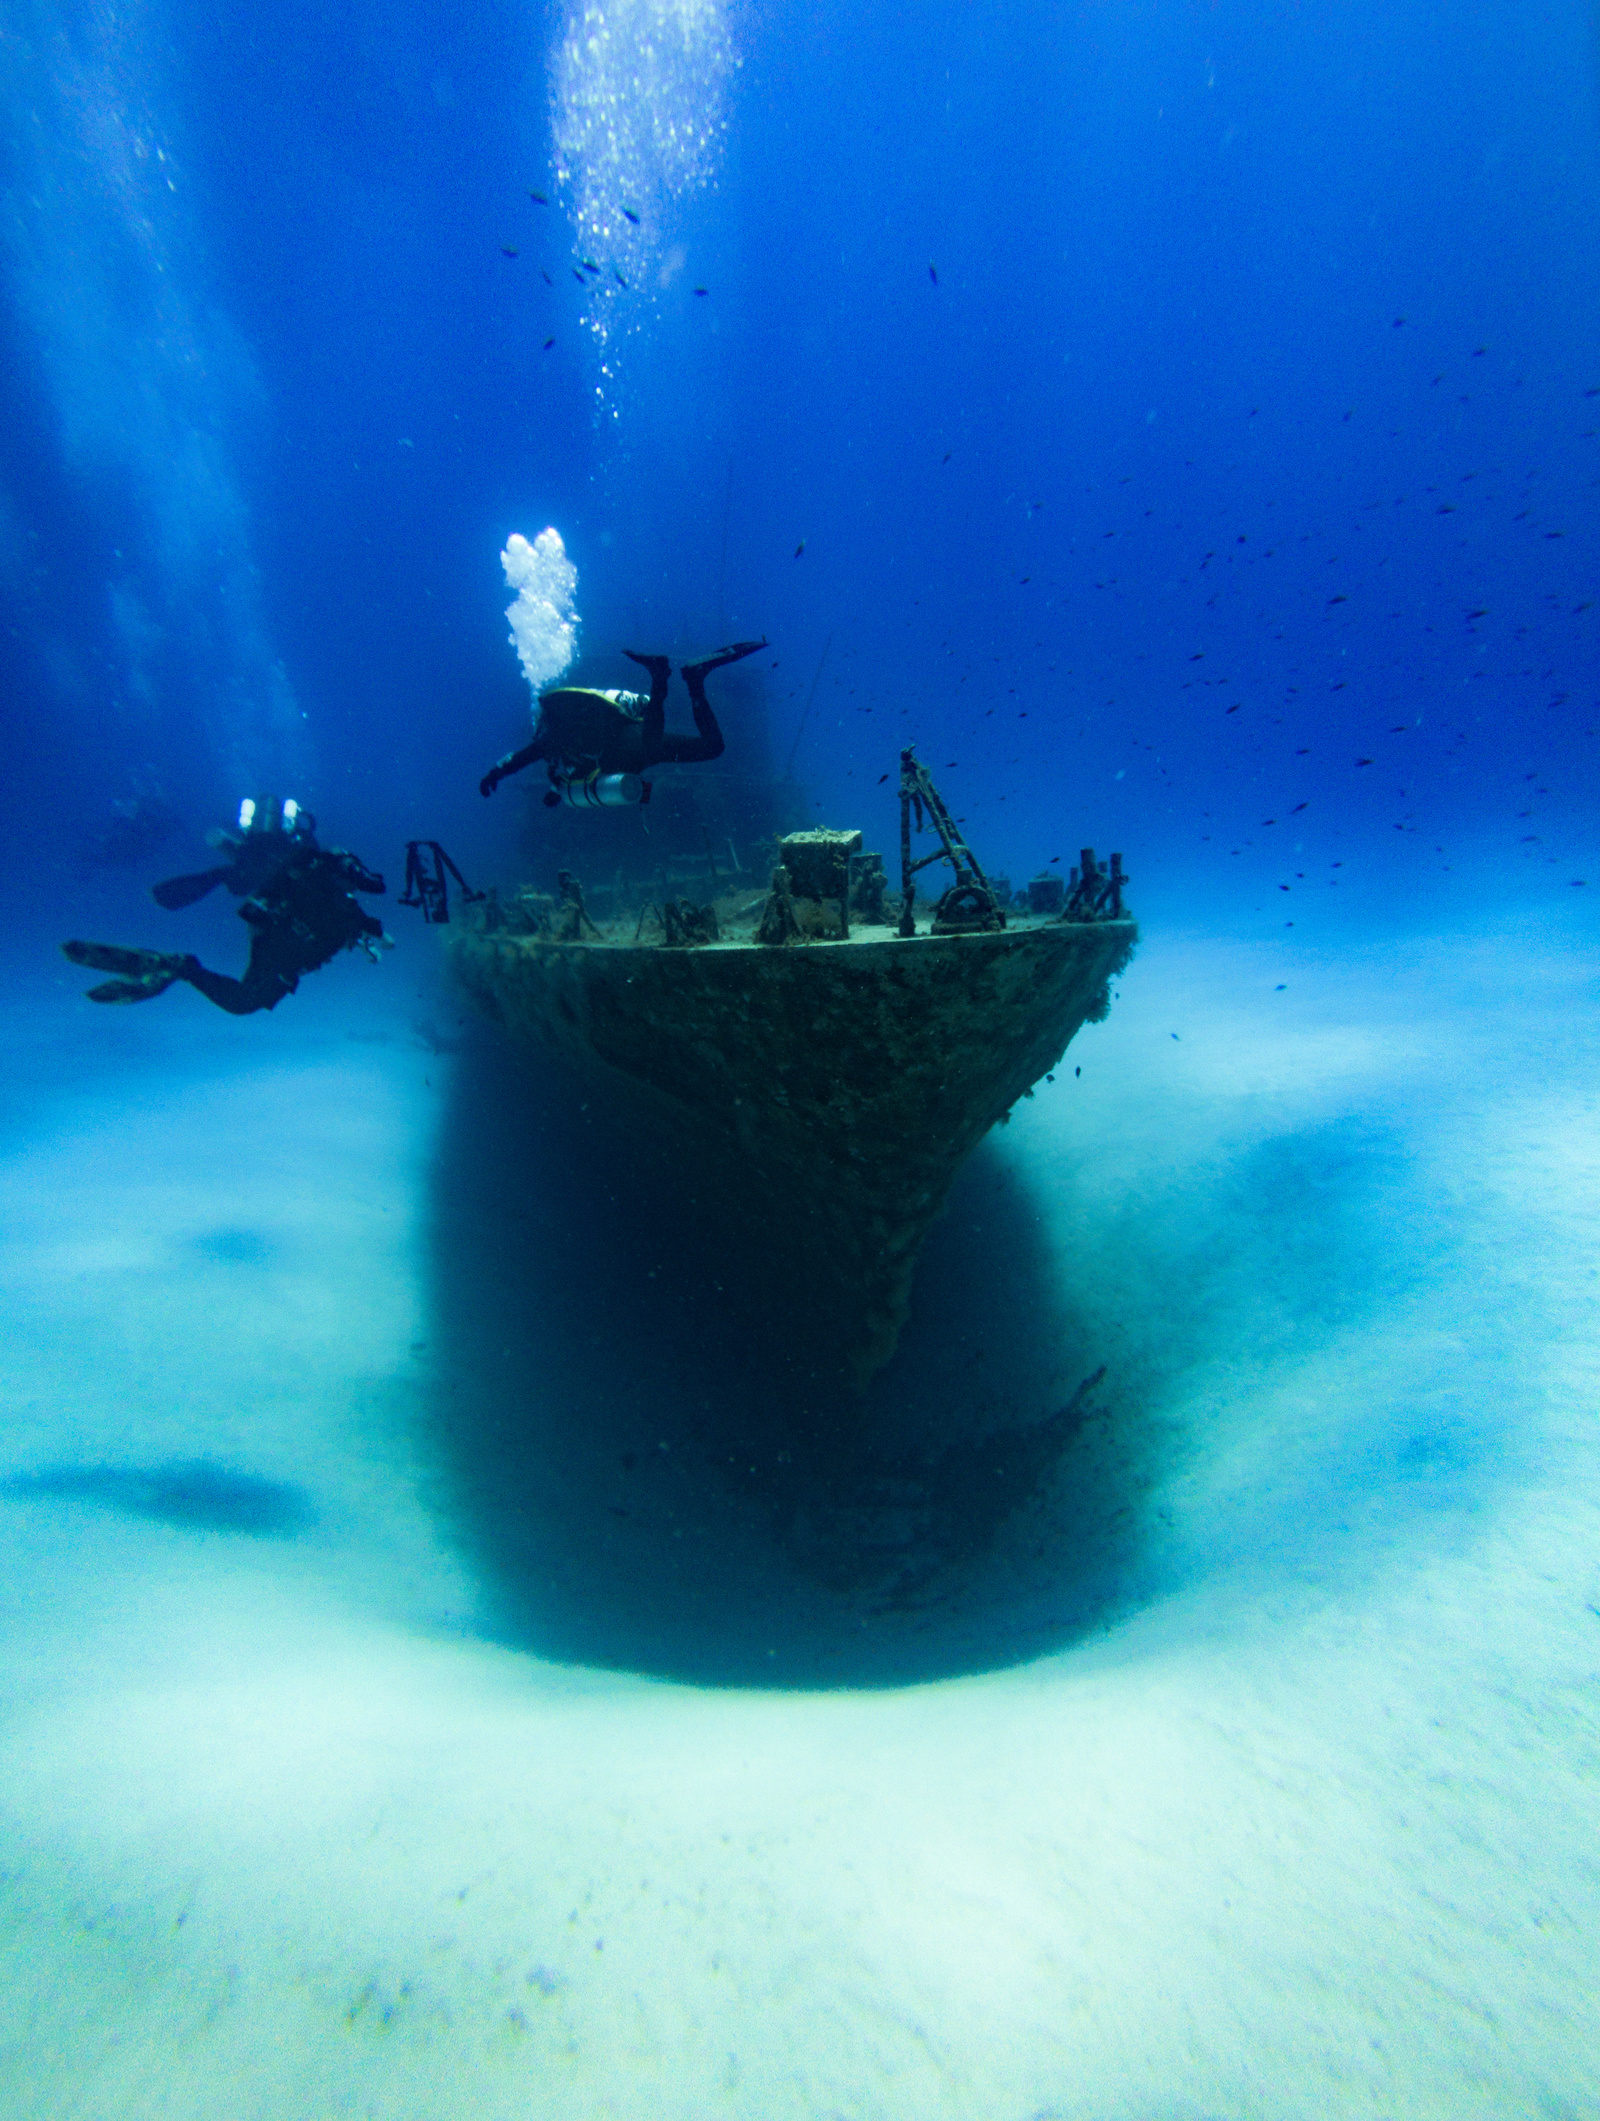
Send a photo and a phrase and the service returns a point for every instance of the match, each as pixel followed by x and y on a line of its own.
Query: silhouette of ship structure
pixel 822 1058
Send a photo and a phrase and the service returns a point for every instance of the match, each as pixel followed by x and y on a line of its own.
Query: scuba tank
pixel 265 813
pixel 600 791
pixel 272 832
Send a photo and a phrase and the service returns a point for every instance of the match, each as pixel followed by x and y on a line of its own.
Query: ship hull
pixel 821 1098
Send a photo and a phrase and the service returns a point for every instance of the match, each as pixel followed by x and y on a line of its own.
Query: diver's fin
pixel 144 972
pixel 660 670
pixel 111 957
pixel 184 890
pixel 132 990
pixel 735 654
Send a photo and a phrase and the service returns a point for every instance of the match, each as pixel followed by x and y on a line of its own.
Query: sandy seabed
pixel 1304 1819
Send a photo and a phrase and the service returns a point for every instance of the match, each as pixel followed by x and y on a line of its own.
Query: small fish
pixel 578 276
pixel 947 456
pixel 1175 1034
pixel 1363 762
pixel 588 265
pixel 933 274
pixel 506 251
pixel 702 290
pixel 1338 600
pixel 545 277
pixel 1055 857
pixel 1281 987
pixel 628 214
pixel 1478 352
pixel 621 282
pixel 1297 809
pixel 539 198
pixel 1483 614
pixel 548 344
pixel 1234 709
pixel 800 548
pixel 882 777
pixel 1395 326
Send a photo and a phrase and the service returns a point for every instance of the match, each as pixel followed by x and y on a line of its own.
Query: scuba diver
pixel 595 745
pixel 299 901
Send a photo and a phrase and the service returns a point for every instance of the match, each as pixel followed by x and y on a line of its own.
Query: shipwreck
pixel 824 1056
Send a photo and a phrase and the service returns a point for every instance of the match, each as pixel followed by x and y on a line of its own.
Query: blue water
pixel 433 1684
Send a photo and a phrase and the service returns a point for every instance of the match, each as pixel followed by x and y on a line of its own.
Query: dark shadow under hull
pixel 661 1464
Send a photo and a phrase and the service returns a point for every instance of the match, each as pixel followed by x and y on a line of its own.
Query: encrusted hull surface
pixel 825 1094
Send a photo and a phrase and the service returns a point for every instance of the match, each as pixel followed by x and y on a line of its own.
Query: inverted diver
pixel 299 902
pixel 595 745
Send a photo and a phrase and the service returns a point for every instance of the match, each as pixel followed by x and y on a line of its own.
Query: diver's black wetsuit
pixel 303 915
pixel 581 732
